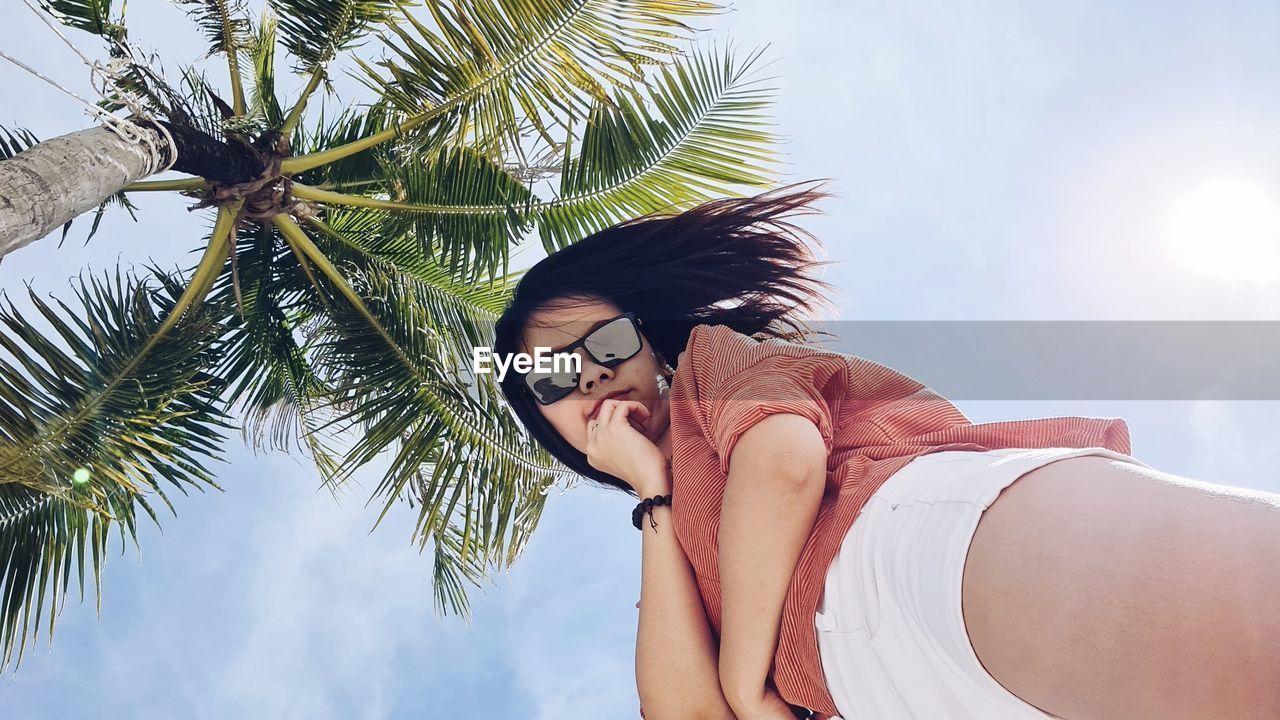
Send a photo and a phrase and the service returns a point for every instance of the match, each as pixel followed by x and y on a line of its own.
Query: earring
pixel 664 377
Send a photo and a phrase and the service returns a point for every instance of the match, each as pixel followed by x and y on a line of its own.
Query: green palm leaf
pixel 707 138
pixel 453 564
pixel 449 188
pixel 500 59
pixel 226 26
pixel 271 381
pixel 410 392
pixel 698 132
pixel 91 16
pixel 102 404
pixel 92 426
pixel 464 209
pixel 411 356
pixel 15 140
pixel 43 541
pixel 262 54
pixel 402 381
pixel 200 109
pixel 315 31
pixel 224 23
pixel 362 169
pixel 358 238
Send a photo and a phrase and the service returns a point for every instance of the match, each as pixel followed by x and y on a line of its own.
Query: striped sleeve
pixel 740 381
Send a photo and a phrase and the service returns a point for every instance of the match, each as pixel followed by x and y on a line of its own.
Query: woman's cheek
pixel 568 429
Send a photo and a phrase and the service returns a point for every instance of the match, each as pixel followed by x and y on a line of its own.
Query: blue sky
pixel 993 161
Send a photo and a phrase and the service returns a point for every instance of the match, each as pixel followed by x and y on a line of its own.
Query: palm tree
pixel 354 259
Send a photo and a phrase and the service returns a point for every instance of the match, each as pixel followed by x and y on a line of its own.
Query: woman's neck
pixel 664 443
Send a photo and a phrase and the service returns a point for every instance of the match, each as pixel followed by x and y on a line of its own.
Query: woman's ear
pixel 664 367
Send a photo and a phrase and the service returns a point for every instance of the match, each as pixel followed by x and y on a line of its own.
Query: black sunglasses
pixel 609 345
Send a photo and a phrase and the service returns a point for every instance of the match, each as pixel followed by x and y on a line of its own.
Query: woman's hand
pixel 617 447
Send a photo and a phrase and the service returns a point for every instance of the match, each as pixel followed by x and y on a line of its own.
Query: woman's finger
pixel 632 413
pixel 623 409
pixel 603 415
pixel 609 410
pixel 634 406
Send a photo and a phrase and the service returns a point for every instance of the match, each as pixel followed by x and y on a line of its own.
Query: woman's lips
pixel 596 410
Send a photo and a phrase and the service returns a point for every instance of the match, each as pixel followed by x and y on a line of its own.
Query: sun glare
pixel 1228 228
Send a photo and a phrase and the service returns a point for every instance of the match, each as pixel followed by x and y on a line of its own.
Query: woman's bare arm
pixel 685 680
pixel 676 657
pixel 776 480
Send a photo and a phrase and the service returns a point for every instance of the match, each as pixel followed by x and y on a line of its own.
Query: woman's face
pixel 636 378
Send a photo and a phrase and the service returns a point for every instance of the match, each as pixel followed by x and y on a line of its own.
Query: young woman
pixel 832 535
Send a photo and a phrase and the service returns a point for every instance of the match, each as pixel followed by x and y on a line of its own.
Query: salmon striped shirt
pixel 873 421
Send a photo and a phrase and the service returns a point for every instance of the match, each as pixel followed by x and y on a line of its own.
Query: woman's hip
pixel 891 631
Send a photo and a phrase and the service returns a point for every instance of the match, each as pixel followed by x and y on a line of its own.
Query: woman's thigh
pixel 1096 588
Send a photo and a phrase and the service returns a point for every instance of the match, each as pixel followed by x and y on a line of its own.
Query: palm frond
pixel 100 404
pixel 407 385
pixel 202 111
pixel 224 23
pixel 268 372
pixel 315 31
pixel 359 239
pixel 226 26
pixel 140 80
pixel 448 193
pixel 698 131
pixel 351 124
pixel 454 562
pixel 469 244
pixel 91 427
pixel 45 540
pixel 707 137
pixel 262 53
pixel 15 140
pixel 500 59
pixel 462 312
pixel 399 367
pixel 91 16
pixel 450 568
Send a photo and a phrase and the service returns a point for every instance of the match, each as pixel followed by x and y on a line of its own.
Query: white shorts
pixel 891 633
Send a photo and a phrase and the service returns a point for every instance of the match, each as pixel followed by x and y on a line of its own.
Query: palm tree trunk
pixel 52 183
pixel 47 186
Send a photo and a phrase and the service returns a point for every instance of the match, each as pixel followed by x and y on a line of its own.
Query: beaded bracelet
pixel 647 505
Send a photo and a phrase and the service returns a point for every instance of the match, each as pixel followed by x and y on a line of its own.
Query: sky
pixel 991 161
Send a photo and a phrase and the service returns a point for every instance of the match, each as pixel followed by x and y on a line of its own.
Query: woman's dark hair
pixel 731 262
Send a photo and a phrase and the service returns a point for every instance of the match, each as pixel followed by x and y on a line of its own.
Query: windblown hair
pixel 732 262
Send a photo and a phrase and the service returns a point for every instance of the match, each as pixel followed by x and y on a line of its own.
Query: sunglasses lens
pixel 613 342
pixel 548 387
pixel 609 345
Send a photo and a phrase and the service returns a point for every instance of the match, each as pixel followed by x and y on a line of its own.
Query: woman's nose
pixel 592 374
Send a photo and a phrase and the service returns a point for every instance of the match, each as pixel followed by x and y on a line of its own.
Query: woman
pixel 830 534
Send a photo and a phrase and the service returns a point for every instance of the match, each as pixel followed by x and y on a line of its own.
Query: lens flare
pixel 1228 228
